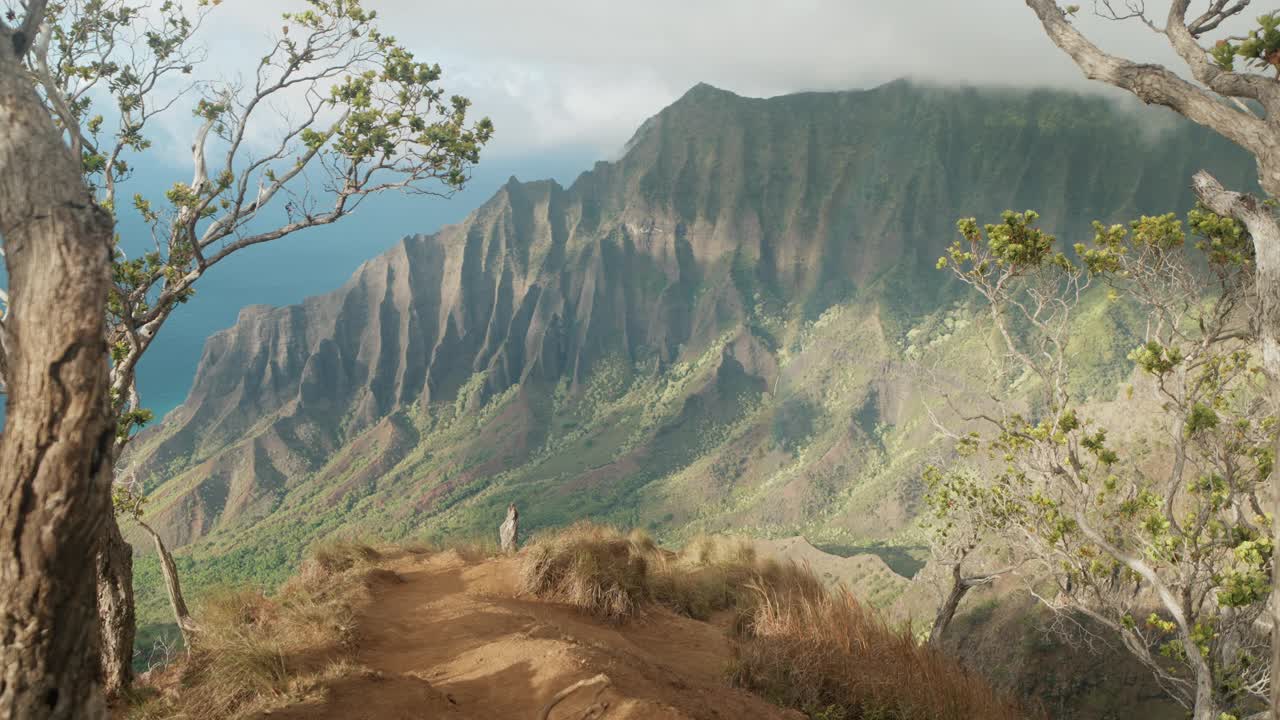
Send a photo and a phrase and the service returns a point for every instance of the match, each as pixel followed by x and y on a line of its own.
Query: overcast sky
pixel 588 72
pixel 569 81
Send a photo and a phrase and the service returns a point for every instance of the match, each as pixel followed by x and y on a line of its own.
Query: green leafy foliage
pixel 1259 48
pixel 1015 244
pixel 1153 497
pixel 374 119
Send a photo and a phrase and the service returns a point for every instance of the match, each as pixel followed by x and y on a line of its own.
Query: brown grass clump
pixel 594 568
pixel 254 652
pixel 826 655
pixel 475 548
pixel 712 574
pixel 798 643
pixel 606 573
pixel 339 554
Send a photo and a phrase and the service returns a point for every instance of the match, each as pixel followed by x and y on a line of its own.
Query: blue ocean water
pixel 311 262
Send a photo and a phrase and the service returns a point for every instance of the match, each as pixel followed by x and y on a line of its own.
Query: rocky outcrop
pixel 509 531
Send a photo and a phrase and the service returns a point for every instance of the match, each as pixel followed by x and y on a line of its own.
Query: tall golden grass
pixel 594 568
pixel 254 652
pixel 473 548
pixel 796 641
pixel 830 657
pixel 714 573
pixel 614 575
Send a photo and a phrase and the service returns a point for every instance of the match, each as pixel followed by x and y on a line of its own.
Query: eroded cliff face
pixel 704 334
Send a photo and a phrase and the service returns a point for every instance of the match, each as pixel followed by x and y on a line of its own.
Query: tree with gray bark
pixel 1232 86
pixel 55 451
pixel 1146 511
pixel 331 113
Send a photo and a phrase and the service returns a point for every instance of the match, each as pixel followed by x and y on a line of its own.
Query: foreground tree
pixel 55 451
pixel 333 112
pixel 1146 512
pixel 1231 91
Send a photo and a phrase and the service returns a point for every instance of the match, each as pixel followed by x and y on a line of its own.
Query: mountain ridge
pixel 706 333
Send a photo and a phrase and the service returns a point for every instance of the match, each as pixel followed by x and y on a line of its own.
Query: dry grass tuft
pixel 798 643
pixel 606 573
pixel 255 652
pixel 419 547
pixel 824 654
pixel 338 554
pixel 476 548
pixel 711 574
pixel 594 568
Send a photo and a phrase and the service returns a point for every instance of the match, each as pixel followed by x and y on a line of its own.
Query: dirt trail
pixel 453 642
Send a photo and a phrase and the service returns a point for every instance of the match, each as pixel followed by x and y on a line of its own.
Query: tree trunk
pixel 1269 295
pixel 55 469
pixel 1204 708
pixel 1157 84
pixel 960 586
pixel 169 569
pixel 114 572
pixel 1275 593
pixel 1264 227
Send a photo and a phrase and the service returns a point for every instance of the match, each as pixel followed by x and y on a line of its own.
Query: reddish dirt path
pixel 453 642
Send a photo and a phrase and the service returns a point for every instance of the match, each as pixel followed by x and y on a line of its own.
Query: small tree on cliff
pixel 1148 511
pixel 963 513
pixel 333 112
pixel 1233 89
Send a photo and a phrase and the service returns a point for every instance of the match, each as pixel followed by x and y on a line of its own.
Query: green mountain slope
pixel 708 334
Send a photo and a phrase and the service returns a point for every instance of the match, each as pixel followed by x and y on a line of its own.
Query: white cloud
pixel 595 69
pixel 541 106
pixel 588 72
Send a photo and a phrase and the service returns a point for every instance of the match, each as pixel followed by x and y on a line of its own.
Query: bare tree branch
pixel 1218 12
pixel 1156 84
pixel 373 119
pixel 24 36
pixel 1124 534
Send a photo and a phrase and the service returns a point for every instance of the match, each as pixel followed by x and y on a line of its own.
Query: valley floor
pixel 452 641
